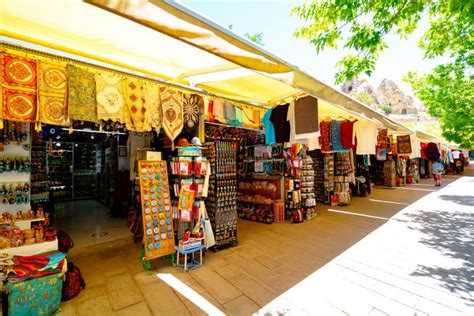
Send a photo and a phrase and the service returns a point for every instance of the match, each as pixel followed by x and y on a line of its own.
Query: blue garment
pixel 335 136
pixel 437 168
pixel 269 129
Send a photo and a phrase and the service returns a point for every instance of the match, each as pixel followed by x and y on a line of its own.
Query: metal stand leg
pixel 143 261
pixel 185 262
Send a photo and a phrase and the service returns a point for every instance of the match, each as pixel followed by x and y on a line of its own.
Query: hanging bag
pixel 74 282
pixel 206 227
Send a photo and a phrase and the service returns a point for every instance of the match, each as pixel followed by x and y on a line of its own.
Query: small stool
pixel 193 264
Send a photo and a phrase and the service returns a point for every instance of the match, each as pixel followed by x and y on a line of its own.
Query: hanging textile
pixel 347 128
pixel 366 133
pixel 306 117
pixel 238 116
pixel 172 109
pixel 19 85
pixel 209 110
pixel 110 96
pixel 218 111
pixel 154 106
pixel 269 128
pixel 191 105
pixel 82 92
pixel 52 92
pixel 335 127
pixel 136 118
pixel 229 113
pixel 281 125
pixel 325 140
pixel 251 119
pixel 403 144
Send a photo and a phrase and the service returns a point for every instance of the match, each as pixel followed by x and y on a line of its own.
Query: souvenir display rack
pixel 318 167
pixel 328 176
pixel 390 173
pixel 39 176
pixel 59 169
pixel 307 188
pixel 341 178
pixel 221 202
pixel 85 173
pixel 293 186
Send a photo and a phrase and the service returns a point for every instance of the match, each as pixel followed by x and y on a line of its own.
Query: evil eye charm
pixel 150 246
pixel 157 237
pixel 143 170
pixel 157 177
pixel 170 235
pixel 155 223
pixel 153 196
pixel 168 221
pixel 162 222
pixel 153 209
pixel 148 224
pixel 147 211
pixel 149 231
pixel 162 229
pixel 156 230
pixel 153 203
pixel 157 245
pixel 163 236
pixel 169 227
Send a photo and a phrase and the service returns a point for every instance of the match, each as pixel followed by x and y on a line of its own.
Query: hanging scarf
pixel 82 94
pixel 136 118
pixel 19 85
pixel 154 106
pixel 110 98
pixel 52 91
pixel 171 107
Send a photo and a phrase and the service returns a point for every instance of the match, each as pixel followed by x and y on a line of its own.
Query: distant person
pixel 437 171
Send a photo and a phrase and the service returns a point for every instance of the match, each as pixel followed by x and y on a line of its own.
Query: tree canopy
pixel 362 26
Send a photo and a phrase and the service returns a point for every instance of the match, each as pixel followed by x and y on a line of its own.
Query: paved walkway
pixel 368 258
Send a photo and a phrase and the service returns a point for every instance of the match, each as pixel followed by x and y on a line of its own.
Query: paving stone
pixel 125 297
pixel 216 285
pixel 113 266
pixel 94 306
pixel 267 262
pixel 254 269
pixel 241 305
pixel 119 281
pixel 195 310
pixel 253 289
pixel 67 309
pixel 139 309
pixel 93 278
pixel 162 300
pixel 230 271
pixel 90 292
pixel 145 277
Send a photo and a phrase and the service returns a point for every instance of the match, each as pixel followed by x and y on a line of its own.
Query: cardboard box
pixel 278 211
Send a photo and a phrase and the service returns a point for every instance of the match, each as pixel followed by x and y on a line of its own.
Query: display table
pixel 31 250
pixel 193 264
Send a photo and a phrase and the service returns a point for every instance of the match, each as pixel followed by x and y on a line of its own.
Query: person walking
pixel 437 171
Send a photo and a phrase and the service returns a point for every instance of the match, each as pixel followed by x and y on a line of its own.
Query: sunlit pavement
pixel 421 262
pixel 405 251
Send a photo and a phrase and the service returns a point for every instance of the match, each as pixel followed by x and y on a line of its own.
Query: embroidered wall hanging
pixel 82 93
pixel 52 92
pixel 154 106
pixel 136 106
pixel 404 144
pixel 19 82
pixel 191 105
pixel 110 98
pixel 172 109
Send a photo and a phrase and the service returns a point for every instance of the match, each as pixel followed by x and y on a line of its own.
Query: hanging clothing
pixel 82 104
pixel 230 114
pixel 19 85
pixel 269 129
pixel 325 139
pixel 218 111
pixel 209 110
pixel 238 116
pixel 52 93
pixel 305 117
pixel 366 133
pixel 347 128
pixel 280 123
pixel 335 127
pixel 110 96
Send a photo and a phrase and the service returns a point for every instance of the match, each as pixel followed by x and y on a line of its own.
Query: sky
pixel 272 18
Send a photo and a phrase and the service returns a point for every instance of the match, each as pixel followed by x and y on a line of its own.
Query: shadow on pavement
pixel 459 199
pixel 452 234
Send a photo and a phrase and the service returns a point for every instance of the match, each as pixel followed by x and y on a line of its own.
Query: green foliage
pixel 363 97
pixel 448 94
pixel 387 108
pixel 361 26
pixel 256 38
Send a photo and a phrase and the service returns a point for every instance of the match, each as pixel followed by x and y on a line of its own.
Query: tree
pixel 386 108
pixel 363 25
pixel 256 38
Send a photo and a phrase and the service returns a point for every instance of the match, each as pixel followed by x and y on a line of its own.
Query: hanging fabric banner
pixel 82 94
pixel 404 144
pixel 19 85
pixel 137 119
pixel 172 109
pixel 52 92
pixel 110 97
pixel 191 105
pixel 154 106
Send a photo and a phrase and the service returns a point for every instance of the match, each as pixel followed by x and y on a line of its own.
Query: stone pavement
pixel 357 260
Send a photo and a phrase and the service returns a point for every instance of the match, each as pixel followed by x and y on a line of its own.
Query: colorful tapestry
pixel 136 117
pixel 39 296
pixel 52 92
pixel 110 98
pixel 172 109
pixel 19 82
pixel 404 144
pixel 82 91
pixel 191 105
pixel 154 106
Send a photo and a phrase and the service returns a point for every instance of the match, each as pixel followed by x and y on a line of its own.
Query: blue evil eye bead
pixel 156 230
pixel 163 236
pixel 155 223
pixel 162 229
pixel 157 245
pixel 156 237
pixel 158 189
pixel 149 231
pixel 150 247
pixel 152 189
pixel 162 222
pixel 170 235
pixel 169 227
pixel 148 224
pixel 147 211
pixel 153 196
pixel 168 221
pixel 157 177
pixel 153 209
pixel 160 209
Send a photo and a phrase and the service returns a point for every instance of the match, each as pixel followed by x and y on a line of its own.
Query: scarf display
pixel 110 96
pixel 172 109
pixel 218 111
pixel 136 118
pixel 306 117
pixel 325 139
pixel 230 114
pixel 82 94
pixel 52 93
pixel 155 115
pixel 19 86
pixel 191 105
pixel 404 144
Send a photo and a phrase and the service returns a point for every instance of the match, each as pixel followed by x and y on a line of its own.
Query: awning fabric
pixel 164 39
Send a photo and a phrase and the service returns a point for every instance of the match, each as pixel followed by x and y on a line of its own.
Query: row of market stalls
pixel 152 77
